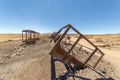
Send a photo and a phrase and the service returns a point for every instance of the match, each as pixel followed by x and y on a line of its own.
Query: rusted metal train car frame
pixel 57 37
pixel 67 55
pixel 33 36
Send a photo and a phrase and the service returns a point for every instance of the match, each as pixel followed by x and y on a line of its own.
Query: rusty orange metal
pixel 67 53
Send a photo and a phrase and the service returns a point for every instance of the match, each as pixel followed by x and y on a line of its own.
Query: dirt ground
pixel 33 62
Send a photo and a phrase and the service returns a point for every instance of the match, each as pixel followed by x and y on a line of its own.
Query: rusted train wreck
pixel 29 36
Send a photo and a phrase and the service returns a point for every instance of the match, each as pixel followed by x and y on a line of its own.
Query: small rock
pixel 104 72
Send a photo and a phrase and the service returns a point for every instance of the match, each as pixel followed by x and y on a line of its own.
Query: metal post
pixel 90 56
pixel 22 36
pixel 74 44
pixel 34 35
pixel 26 36
pixel 61 37
pixel 30 35
pixel 53 72
pixel 98 60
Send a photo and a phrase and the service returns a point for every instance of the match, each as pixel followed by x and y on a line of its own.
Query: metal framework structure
pixel 29 36
pixel 68 52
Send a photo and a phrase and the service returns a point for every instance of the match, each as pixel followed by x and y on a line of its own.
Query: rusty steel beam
pixel 98 61
pixel 29 31
pixel 90 56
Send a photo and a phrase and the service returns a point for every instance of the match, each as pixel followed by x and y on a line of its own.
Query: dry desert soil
pixel 19 61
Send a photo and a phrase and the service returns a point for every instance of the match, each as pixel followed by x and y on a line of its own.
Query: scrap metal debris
pixel 74 50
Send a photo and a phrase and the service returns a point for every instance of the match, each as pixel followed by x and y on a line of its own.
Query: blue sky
pixel 88 16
